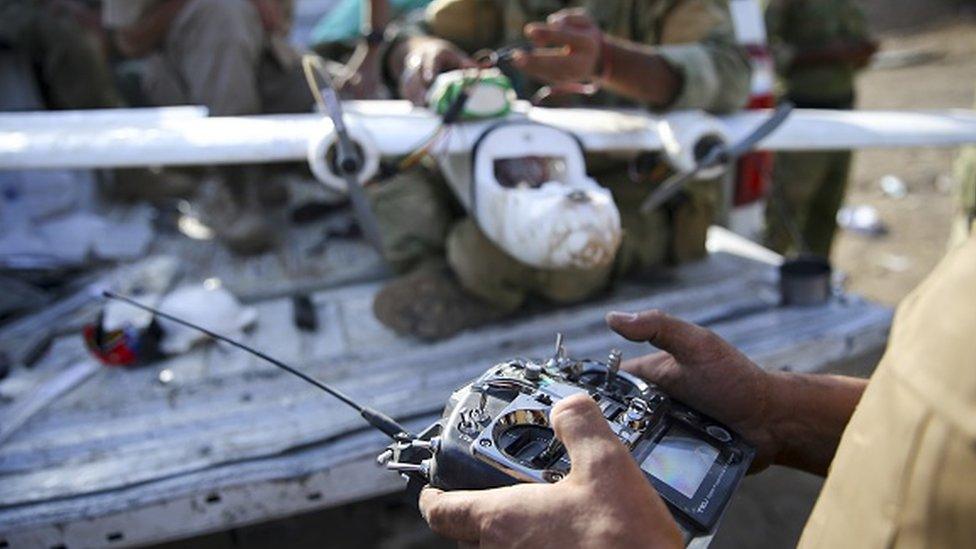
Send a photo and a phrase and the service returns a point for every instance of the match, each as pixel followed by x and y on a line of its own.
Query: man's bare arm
pixel 810 413
pixel 794 420
pixel 377 15
pixel 571 48
pixel 648 79
pixel 145 36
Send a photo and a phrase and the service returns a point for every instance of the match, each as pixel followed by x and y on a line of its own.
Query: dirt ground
pixel 888 267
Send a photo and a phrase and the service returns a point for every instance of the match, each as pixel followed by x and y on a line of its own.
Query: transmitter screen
pixel 681 461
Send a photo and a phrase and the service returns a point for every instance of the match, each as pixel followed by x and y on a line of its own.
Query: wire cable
pixel 377 419
pixel 334 392
pixel 310 64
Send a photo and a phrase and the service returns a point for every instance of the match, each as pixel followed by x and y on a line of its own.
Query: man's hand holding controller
pixel 792 419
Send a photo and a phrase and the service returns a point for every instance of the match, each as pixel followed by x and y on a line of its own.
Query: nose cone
pixel 555 227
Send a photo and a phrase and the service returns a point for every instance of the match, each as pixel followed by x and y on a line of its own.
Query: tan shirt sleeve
pixel 905 472
pixel 698 41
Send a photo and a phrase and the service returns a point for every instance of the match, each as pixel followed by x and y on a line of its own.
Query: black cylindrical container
pixel 805 281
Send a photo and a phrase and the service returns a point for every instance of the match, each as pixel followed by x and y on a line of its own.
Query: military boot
pixel 430 304
pixel 234 211
pixel 157 187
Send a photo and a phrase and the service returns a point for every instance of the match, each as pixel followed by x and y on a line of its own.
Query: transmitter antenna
pixel 375 418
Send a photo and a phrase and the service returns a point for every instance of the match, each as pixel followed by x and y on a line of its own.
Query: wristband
pixel 375 37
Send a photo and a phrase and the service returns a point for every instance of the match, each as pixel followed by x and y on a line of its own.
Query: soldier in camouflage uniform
pixel 965 216
pixel 61 40
pixel 659 54
pixel 233 57
pixel 818 45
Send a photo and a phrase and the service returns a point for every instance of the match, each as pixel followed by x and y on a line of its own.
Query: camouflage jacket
pixel 694 36
pixel 797 25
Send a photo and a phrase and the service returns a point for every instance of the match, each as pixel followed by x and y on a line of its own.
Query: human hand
pixel 367 82
pixel 425 59
pixel 567 48
pixel 700 369
pixel 605 500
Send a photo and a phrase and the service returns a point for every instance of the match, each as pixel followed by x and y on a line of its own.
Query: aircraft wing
pixel 130 138
pixel 115 138
pixel 811 129
pixel 605 130
pixel 184 136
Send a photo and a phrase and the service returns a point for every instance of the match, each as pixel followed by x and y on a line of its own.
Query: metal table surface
pixel 124 459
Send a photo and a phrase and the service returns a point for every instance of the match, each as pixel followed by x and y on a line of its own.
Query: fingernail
pixel 622 317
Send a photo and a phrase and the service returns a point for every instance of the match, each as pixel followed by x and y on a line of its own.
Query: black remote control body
pixel 495 432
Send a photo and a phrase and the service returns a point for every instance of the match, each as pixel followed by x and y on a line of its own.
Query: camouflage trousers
pixel 421 220
pixel 810 188
pixel 217 54
pixel 71 68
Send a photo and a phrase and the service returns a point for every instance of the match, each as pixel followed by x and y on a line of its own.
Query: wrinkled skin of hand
pixel 427 59
pixel 605 501
pixel 567 48
pixel 700 369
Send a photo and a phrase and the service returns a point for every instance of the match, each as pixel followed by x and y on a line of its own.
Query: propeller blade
pixel 715 156
pixel 748 143
pixel 670 187
pixel 349 162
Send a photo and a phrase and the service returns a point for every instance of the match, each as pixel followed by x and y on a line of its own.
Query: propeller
pixel 348 159
pixel 716 155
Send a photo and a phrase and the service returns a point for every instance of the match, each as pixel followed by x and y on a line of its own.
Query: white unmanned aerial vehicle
pixel 555 216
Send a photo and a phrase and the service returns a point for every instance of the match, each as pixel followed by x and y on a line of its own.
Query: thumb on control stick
pixel 593 448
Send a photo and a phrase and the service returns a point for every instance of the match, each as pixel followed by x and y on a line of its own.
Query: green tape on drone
pixel 490 93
